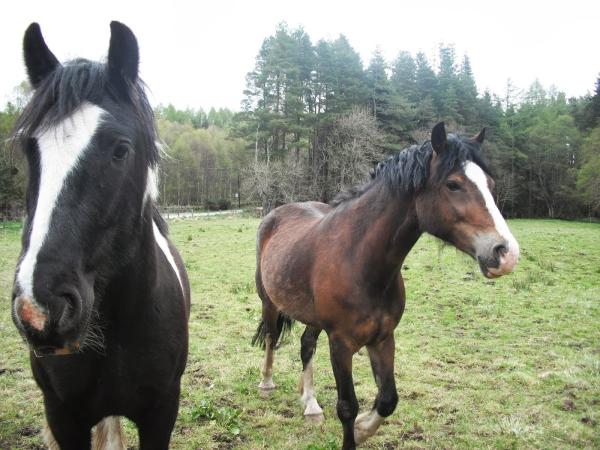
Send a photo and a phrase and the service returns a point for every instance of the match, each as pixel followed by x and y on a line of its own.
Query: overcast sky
pixel 197 54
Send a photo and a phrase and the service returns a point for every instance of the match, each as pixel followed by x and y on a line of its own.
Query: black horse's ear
pixel 123 55
pixel 438 137
pixel 480 137
pixel 39 60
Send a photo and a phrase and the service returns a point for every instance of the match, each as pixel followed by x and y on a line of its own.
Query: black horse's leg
pixel 269 316
pixel 156 425
pixel 307 391
pixel 64 431
pixel 382 363
pixel 347 405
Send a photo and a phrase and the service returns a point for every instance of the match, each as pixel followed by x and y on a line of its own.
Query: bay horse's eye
pixel 453 186
pixel 120 151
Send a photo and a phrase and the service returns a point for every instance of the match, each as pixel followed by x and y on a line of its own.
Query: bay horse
pixel 338 267
pixel 101 296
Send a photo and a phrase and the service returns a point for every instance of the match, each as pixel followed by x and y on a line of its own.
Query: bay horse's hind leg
pixel 312 410
pixel 268 332
pixel 382 364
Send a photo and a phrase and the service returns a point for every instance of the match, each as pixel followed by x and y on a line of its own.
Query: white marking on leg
pixel 109 435
pixel 366 424
pixel 479 179
pixel 163 244
pixel 48 438
pixel 267 369
pixel 311 406
pixel 60 150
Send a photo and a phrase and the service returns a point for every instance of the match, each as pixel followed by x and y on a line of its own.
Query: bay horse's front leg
pixel 347 405
pixel 382 364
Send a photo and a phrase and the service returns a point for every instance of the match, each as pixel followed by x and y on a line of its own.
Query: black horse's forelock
pixel 408 170
pixel 79 81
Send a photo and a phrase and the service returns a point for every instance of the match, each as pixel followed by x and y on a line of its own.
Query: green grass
pixel 509 363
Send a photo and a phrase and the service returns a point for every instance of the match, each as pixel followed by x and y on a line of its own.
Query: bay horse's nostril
pixel 500 250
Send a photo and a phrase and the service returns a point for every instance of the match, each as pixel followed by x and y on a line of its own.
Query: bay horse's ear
pixel 123 55
pixel 480 137
pixel 438 137
pixel 39 60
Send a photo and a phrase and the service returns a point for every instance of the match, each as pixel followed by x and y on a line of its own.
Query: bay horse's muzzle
pixel 54 326
pixel 497 257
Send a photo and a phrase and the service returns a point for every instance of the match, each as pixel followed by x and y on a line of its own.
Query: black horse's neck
pixel 129 289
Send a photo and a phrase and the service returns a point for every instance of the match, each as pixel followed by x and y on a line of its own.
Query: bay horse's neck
pixel 384 230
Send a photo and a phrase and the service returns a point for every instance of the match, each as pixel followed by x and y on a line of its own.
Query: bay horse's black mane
pixel 79 81
pixel 408 170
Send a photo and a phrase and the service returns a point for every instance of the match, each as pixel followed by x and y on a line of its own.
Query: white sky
pixel 197 53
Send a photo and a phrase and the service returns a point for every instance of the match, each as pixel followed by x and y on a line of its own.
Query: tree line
pixel 314 120
pixel 544 147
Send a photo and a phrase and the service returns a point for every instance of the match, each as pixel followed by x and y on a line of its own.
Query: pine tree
pixel 403 79
pixel 467 93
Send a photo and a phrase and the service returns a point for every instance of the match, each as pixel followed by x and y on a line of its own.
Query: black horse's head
pixel 89 138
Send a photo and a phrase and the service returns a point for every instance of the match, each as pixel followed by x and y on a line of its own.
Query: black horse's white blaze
pixel 60 147
pixel 162 243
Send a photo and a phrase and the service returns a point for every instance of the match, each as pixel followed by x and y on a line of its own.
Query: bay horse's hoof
pixel 266 388
pixel 312 408
pixel 316 419
pixel 365 426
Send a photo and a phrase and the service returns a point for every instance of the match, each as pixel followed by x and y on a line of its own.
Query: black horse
pixel 100 294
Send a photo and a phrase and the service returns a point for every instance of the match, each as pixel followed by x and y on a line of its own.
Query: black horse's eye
pixel 120 151
pixel 453 186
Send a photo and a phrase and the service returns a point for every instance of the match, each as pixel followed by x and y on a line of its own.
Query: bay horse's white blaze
pixel 109 435
pixel 60 149
pixel 161 241
pixel 366 424
pixel 307 389
pixel 510 258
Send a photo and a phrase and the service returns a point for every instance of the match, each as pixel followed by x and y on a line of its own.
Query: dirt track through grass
pixel 509 363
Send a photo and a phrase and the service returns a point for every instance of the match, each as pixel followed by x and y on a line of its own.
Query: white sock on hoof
pixel 365 425
pixel 48 438
pixel 267 384
pixel 312 408
pixel 108 435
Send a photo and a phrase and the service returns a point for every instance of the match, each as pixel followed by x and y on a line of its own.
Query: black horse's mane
pixel 408 170
pixel 79 81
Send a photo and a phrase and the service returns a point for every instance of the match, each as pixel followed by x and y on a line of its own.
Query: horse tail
pixel 284 327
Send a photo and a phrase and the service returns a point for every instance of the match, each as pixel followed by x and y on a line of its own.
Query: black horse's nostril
pixel 500 250
pixel 71 308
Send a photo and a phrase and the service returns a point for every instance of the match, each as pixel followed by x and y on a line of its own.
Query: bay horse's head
pixel 89 138
pixel 456 203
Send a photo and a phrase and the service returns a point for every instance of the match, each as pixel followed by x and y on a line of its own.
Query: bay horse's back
pixel 279 231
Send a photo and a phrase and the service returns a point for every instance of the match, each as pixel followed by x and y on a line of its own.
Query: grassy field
pixel 510 363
